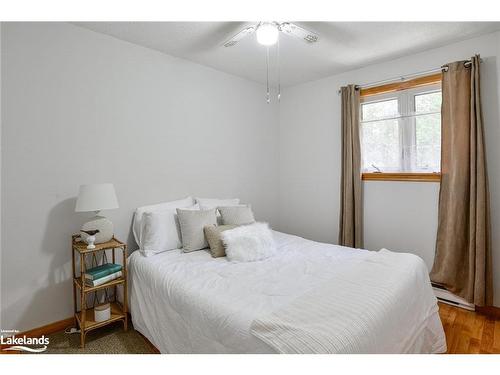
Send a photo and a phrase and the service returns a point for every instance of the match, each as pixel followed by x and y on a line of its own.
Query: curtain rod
pixel 407 76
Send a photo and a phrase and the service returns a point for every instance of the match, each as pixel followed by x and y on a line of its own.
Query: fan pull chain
pixel 268 97
pixel 279 70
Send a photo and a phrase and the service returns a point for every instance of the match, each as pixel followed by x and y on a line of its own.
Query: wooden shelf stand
pixel 84 314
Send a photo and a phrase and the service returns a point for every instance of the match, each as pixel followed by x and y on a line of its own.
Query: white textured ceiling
pixel 342 46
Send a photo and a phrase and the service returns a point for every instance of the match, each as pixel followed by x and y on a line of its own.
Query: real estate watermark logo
pixel 10 342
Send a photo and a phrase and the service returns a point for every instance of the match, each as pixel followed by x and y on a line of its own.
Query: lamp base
pixel 104 225
pixel 90 241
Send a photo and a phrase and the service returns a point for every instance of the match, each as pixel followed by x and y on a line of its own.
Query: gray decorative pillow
pixel 213 236
pixel 191 223
pixel 236 215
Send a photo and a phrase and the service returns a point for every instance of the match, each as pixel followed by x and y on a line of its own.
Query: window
pixel 401 133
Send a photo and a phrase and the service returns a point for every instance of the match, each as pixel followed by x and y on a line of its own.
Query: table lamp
pixel 97 197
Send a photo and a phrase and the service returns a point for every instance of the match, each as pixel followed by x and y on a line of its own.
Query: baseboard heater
pixel 449 298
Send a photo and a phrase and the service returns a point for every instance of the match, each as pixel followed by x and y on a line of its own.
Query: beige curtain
pixel 351 209
pixel 463 246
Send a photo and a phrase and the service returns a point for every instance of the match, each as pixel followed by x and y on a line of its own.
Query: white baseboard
pixel 449 298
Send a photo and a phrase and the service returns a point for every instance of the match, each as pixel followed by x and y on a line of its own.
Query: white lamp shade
pixel 96 197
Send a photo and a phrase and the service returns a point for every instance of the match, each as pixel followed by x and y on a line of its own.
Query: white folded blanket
pixel 365 308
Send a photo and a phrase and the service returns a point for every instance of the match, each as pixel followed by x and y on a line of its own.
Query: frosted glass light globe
pixel 267 34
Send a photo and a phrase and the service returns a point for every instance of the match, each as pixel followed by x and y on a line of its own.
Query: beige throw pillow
pixel 213 236
pixel 236 215
pixel 191 223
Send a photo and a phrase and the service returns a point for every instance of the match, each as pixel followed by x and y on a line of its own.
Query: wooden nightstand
pixel 85 315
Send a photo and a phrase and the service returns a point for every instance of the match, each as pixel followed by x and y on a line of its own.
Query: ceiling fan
pixel 267 34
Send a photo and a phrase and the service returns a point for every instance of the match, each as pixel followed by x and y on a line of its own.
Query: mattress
pixel 193 303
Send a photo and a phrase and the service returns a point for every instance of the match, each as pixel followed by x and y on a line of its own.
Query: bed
pixel 342 300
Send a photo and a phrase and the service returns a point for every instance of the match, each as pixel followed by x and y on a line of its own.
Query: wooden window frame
pixel 401 176
pixel 390 88
pixel 403 85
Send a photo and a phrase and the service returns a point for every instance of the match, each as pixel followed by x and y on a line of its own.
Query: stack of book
pixel 102 274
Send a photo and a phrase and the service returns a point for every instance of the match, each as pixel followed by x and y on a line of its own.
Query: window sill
pixel 412 177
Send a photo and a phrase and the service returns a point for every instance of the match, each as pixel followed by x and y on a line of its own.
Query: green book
pixel 102 271
pixel 104 280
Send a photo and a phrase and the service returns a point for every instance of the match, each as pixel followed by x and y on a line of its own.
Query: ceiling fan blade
pixel 299 32
pixel 243 33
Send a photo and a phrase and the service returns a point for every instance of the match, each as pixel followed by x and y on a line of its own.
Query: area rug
pixel 111 339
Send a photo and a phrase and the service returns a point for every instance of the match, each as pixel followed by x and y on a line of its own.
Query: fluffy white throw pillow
pixel 249 243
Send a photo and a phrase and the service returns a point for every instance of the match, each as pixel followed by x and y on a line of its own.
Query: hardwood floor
pixel 469 331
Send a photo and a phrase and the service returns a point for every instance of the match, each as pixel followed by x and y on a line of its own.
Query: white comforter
pixel 365 308
pixel 193 303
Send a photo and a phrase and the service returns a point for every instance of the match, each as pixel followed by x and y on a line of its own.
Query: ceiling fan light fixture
pixel 267 34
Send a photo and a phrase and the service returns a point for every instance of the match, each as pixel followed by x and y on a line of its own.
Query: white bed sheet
pixel 193 303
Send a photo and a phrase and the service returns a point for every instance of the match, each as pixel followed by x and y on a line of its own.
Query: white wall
pixel 0 175
pixel 82 107
pixel 400 216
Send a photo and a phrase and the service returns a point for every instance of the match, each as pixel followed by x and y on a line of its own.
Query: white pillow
pixel 249 243
pixel 208 203
pixel 136 226
pixel 159 232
